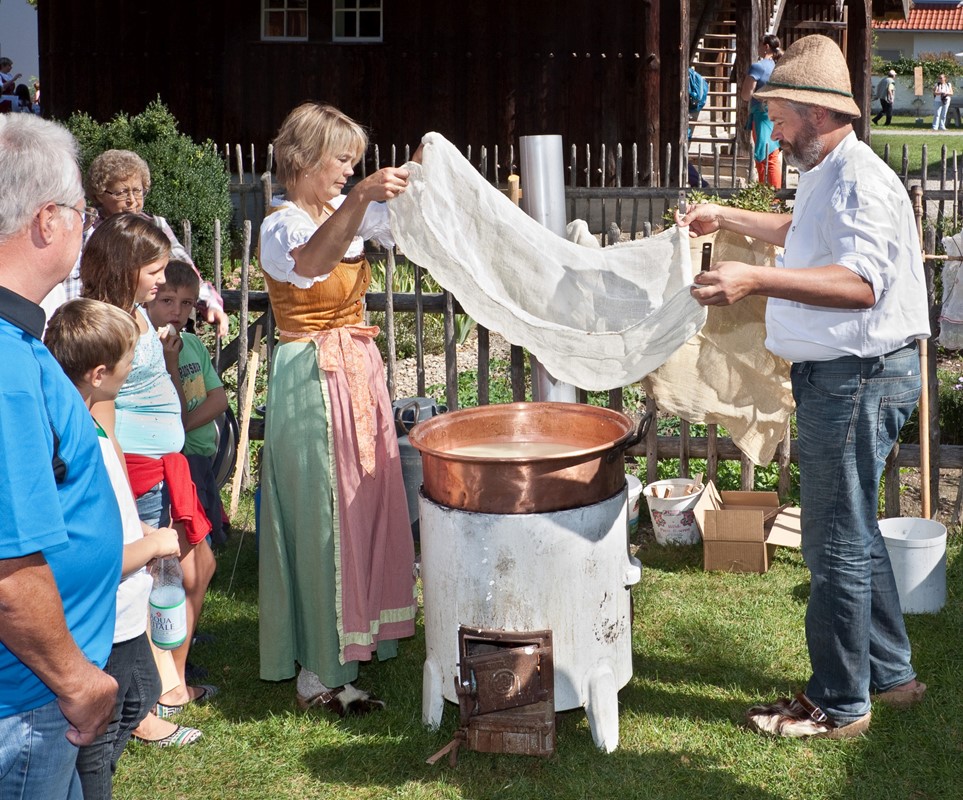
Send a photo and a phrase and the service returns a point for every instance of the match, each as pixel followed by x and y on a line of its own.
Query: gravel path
pixel 406 377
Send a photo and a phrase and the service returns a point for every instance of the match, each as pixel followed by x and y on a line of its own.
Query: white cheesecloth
pixel 596 318
pixel 951 314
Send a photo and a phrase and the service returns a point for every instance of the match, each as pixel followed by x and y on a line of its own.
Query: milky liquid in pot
pixel 512 449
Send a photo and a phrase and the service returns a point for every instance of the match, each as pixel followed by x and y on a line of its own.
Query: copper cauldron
pixel 587 469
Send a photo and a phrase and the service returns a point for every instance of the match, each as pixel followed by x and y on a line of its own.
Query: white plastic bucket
pixel 917 551
pixel 634 486
pixel 673 519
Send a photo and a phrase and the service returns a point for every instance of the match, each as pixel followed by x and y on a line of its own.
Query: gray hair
pixel 38 165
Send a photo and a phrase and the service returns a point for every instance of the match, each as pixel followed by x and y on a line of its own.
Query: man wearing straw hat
pixel 847 304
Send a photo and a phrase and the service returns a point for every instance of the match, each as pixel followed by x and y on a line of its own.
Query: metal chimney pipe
pixel 542 168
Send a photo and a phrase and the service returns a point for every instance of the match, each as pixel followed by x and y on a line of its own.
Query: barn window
pixel 357 21
pixel 284 19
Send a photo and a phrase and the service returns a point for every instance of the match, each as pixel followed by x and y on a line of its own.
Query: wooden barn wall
pixel 479 72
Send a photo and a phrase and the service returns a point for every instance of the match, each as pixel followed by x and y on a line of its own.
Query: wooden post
pixel 514 192
pixel 924 404
pixel 652 443
pixel 859 57
pixel 648 120
pixel 242 443
pixel 712 452
pixel 243 315
pixel 928 355
pixel 783 458
pixel 217 288
pixel 240 163
pixel 187 239
pixel 420 331
pixel 451 352
pixel 392 364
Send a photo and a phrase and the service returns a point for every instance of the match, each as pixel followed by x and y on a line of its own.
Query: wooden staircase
pixel 714 134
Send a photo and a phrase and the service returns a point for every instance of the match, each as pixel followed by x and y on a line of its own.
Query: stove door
pixel 501 670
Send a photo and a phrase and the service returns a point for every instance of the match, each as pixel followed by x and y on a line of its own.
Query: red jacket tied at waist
pixel 145 473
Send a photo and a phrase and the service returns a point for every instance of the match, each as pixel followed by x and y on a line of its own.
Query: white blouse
pixel 290 227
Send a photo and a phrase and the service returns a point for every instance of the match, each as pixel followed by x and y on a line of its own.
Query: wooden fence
pixel 596 192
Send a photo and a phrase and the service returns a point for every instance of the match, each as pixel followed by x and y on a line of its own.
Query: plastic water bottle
pixel 168 604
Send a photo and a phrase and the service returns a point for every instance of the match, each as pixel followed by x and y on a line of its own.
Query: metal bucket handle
pixel 403 427
pixel 633 439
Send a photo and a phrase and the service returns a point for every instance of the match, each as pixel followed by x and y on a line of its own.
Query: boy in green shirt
pixel 203 397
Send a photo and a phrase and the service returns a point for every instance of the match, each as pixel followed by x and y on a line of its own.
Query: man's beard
pixel 806 151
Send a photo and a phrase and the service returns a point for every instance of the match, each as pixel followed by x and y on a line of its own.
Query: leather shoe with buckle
pixel 801 718
pixel 344 701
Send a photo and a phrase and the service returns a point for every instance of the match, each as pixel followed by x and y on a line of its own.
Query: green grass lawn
pixel 905 130
pixel 706 646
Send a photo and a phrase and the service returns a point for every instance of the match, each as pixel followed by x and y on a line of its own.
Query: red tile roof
pixel 925 17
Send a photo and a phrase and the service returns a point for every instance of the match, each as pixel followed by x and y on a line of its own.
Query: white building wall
pixel 890 45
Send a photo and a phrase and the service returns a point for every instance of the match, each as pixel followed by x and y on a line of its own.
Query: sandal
pixel 903 696
pixel 344 701
pixel 801 718
pixel 165 711
pixel 179 738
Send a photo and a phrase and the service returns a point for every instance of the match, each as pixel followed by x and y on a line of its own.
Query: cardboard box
pixel 740 530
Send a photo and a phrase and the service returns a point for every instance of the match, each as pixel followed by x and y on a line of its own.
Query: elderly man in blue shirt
pixel 60 541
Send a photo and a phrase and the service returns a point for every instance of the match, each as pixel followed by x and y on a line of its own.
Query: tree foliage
pixel 188 180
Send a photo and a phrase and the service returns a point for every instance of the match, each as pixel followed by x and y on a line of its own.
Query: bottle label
pixel 168 619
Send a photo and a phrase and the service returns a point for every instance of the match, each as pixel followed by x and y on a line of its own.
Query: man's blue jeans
pixel 849 413
pixel 36 760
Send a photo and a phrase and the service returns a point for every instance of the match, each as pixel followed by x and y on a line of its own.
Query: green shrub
pixel 188 180
pixel 499 386
pixel 932 63
pixel 951 411
pixel 754 197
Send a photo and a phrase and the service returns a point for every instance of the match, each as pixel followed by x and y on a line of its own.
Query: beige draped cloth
pixel 724 374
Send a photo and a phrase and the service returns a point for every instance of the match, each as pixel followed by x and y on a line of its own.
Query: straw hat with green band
pixel 812 71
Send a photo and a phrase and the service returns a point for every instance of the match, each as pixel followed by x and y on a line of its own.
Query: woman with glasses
pixel 118 181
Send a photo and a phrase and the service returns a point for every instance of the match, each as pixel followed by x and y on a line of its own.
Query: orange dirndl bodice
pixel 330 313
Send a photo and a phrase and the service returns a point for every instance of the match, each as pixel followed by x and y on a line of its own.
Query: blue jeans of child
pixel 131 664
pixel 154 506
pixel 36 760
pixel 849 413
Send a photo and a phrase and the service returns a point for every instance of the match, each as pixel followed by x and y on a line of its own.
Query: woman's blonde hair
pixel 112 166
pixel 312 133
pixel 83 334
pixel 113 257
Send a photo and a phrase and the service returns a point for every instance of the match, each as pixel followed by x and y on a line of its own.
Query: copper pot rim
pixel 422 431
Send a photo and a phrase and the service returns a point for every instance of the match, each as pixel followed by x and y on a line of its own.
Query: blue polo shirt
pixel 74 521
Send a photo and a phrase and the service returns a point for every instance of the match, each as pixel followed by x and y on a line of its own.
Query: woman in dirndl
pixel 336 555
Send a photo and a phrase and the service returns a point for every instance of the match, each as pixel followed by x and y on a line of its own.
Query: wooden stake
pixel 514 191
pixel 245 421
pixel 924 416
pixel 923 410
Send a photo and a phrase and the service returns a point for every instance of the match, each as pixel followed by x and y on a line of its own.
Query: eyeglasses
pixel 122 193
pixel 88 216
